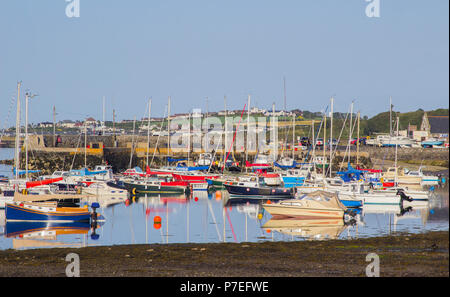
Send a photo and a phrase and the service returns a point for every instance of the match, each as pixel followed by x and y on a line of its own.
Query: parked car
pixel 362 141
pixel 333 142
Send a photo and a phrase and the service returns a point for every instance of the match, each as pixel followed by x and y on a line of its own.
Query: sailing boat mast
pixel 396 151
pixel 168 128
pixel 324 142
pixel 85 143
pixel 132 142
pixel 148 129
pixel 17 152
pixel 189 137
pixel 357 141
pixel 331 132
pixel 248 129
pixel 225 134
pixel 27 97
pixel 293 137
pixel 390 115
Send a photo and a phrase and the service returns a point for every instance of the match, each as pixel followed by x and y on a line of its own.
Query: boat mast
pixel 396 150
pixel 27 97
pixel 189 137
pixel 54 125
pixel 85 143
pixel 357 141
pixel 168 129
pixel 390 115
pixel 148 128
pixel 114 127
pixel 132 142
pixel 331 133
pixel 313 143
pixel 248 128
pixel 350 133
pixel 274 141
pixel 17 152
pixel 284 114
pixel 324 142
pixel 225 124
pixel 293 137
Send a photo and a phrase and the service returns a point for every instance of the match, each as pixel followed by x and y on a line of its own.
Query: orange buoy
pixel 196 199
pixel 127 202
pixel 218 195
pixel 269 202
pixel 260 216
pixel 157 225
pixel 157 220
pixel 268 231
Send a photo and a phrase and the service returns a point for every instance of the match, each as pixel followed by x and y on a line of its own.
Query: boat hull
pixel 279 212
pixel 293 181
pixel 141 188
pixel 15 212
pixel 261 191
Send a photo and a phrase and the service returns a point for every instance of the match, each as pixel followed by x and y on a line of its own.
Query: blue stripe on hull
pixel 351 203
pixel 17 213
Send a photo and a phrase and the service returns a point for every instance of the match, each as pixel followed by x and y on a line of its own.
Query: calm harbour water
pixel 208 217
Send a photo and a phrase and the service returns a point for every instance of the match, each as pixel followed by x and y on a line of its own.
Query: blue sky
pixel 131 50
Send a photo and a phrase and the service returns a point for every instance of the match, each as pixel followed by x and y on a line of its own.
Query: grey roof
pixel 438 124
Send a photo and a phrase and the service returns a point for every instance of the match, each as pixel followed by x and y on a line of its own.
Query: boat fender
pixel 24 192
pixel 133 191
pixel 79 190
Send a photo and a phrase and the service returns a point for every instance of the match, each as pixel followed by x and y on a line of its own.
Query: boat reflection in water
pixel 27 235
pixel 311 229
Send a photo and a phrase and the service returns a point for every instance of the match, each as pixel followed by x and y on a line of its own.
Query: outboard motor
pixel 94 214
pixel 94 217
pixel 403 196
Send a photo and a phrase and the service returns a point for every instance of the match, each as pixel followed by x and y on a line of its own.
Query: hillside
pixel 380 122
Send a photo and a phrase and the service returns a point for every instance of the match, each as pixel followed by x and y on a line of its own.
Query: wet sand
pixel 401 255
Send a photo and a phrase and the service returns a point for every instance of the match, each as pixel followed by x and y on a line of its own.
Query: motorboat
pixel 155 185
pixel 315 205
pixel 106 189
pixel 427 180
pixel 295 177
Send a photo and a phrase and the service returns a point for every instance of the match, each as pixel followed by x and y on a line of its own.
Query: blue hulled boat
pixel 20 211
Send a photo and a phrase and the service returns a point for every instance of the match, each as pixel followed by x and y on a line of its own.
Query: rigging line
pixel 159 135
pixel 348 148
pixel 7 117
pixel 234 137
pixel 338 140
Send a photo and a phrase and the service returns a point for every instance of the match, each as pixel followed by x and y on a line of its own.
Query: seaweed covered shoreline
pixel 424 254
